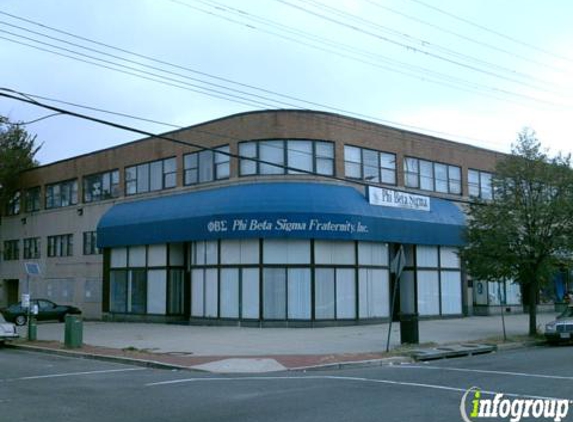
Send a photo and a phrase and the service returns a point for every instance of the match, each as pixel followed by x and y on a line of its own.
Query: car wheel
pixel 20 320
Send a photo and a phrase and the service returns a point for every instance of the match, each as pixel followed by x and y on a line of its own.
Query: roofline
pixel 247 113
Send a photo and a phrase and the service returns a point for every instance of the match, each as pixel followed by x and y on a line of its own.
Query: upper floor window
pixel 101 186
pixel 32 248
pixel 11 250
pixel 32 199
pixel 370 165
pixel 157 175
pixel 62 194
pixel 206 166
pixel 300 156
pixel 61 245
pixel 90 243
pixel 480 184
pixel 13 205
pixel 428 175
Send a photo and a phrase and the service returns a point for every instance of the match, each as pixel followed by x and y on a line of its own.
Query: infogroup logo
pixel 513 409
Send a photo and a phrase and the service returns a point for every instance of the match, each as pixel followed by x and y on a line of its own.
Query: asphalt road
pixel 41 387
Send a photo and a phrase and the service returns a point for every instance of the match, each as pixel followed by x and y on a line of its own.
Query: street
pixel 45 387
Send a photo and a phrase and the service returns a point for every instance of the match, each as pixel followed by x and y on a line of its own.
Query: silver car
pixel 7 330
pixel 561 330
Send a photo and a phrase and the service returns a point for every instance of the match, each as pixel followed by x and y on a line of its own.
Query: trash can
pixel 74 331
pixel 409 332
pixel 32 329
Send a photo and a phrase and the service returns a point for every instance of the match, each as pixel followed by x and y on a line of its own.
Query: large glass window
pixel 230 293
pixel 101 186
pixel 300 156
pixel 274 293
pixel 32 248
pixel 11 250
pixel 152 176
pixel 428 175
pixel 334 252
pixel 13 205
pixel 299 305
pixel 250 293
pixel 61 245
pixel 206 166
pixel 324 293
pixel 32 199
pixel 370 165
pixel 62 194
pixel 480 184
pixel 373 293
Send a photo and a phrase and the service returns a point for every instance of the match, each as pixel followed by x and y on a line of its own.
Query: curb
pixel 395 360
pixel 104 358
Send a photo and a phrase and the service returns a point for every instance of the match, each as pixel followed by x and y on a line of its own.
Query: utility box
pixel 74 332
pixel 409 330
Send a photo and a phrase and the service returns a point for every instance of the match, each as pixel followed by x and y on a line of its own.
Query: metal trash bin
pixel 409 330
pixel 32 329
pixel 74 332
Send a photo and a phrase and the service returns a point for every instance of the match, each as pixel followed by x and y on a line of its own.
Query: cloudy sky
pixel 474 71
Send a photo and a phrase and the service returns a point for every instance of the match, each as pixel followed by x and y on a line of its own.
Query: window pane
pixel 299 155
pixel 325 166
pixel 352 162
pixel 143 178
pixel 370 166
pixel 324 293
pixel 426 175
pixel 170 165
pixel 175 291
pixel 428 293
pixel 372 253
pixel 427 256
pixel 473 183
pixel 118 291
pixel 299 293
pixel 230 293
pixel 345 294
pixel 373 293
pixel 137 256
pixel 334 252
pixel 451 292
pixel 156 292
pixel 274 293
pixel 197 293
pixel 449 257
pixel 324 149
pixel 206 169
pixel 138 291
pixel 157 255
pixel 388 168
pixel 250 293
pixel 211 293
pixel 441 177
pixel 411 170
pixel 486 187
pixel 118 256
pixel 190 161
pixel 455 176
pixel 248 149
pixel 273 152
pixel 279 251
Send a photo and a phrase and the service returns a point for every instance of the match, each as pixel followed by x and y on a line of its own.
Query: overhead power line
pixel 29 99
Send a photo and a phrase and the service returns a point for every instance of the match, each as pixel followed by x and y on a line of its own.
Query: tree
pixel 17 151
pixel 526 232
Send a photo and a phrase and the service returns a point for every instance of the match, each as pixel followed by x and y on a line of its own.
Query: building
pixel 300 231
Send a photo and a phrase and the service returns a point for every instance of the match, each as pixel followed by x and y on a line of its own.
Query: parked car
pixel 561 330
pixel 7 330
pixel 47 310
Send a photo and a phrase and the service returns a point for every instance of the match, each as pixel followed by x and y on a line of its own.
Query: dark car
pixel 47 310
pixel 561 330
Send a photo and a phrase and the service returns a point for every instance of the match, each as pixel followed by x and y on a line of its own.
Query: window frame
pixel 32 248
pixel 146 167
pixel 114 188
pixel 417 172
pixel 379 168
pixel 57 243
pixel 70 185
pixel 215 154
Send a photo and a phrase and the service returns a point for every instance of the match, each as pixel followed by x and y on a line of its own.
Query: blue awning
pixel 277 210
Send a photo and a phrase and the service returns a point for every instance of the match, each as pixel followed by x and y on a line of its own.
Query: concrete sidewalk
pixel 239 349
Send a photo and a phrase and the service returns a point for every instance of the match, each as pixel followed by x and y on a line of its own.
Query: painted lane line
pixel 351 379
pixel 487 371
pixel 73 374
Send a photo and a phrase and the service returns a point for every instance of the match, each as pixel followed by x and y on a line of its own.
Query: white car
pixel 7 330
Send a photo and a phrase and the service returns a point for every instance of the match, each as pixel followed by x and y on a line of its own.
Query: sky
pixel 473 71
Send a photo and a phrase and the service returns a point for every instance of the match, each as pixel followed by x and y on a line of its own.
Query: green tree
pixel 17 151
pixel 526 232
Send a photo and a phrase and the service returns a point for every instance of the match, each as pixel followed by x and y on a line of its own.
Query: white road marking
pixel 352 379
pixel 487 371
pixel 73 374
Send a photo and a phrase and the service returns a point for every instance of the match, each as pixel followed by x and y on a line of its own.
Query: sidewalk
pixel 238 349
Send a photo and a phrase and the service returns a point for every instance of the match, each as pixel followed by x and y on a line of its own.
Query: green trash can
pixel 409 331
pixel 32 329
pixel 74 331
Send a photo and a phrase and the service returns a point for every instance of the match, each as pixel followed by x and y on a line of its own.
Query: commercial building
pixel 285 217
